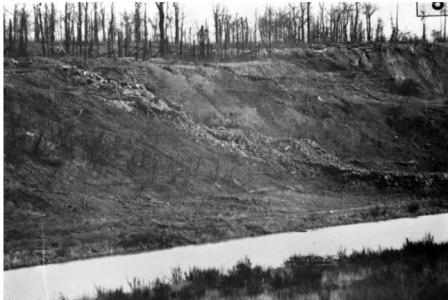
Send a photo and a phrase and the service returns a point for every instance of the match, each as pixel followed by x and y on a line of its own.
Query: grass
pixel 419 270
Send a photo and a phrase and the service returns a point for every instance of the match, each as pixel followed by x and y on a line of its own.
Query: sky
pixel 198 11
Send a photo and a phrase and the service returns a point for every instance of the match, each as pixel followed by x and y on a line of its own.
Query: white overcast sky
pixel 197 11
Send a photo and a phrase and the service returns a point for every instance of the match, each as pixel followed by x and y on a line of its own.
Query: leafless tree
pixel 137 27
pixel 111 32
pixel 176 24
pixel 67 24
pixel 160 8
pixel 95 26
pixel 79 25
pixel 145 34
pixel 369 10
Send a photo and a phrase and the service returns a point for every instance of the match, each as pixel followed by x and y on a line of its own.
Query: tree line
pixel 97 29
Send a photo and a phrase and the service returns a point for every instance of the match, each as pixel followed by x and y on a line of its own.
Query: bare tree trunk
pixel 444 21
pixel 127 34
pixel 137 21
pixel 23 33
pixel 67 28
pixel 10 38
pixel 424 31
pixel 145 24
pixel 120 43
pixel 302 21
pixel 176 25
pixel 41 31
pixel 36 24
pixel 111 35
pixel 161 27
pixel 182 34
pixel 86 29
pixel 308 22
pixel 103 23
pixel 216 10
pixel 95 26
pixel 72 29
pixel 52 27
pixel 46 29
pixel 79 36
pixel 15 31
pixel 355 25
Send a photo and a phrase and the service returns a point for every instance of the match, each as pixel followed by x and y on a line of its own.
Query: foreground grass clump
pixel 419 270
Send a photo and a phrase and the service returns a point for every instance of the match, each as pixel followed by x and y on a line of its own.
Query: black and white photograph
pixel 252 150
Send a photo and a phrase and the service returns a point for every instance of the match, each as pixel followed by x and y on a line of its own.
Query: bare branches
pixel 81 25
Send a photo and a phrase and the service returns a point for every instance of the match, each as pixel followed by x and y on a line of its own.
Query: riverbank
pixel 416 271
pixel 285 221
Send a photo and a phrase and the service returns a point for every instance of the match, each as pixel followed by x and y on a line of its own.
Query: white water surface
pixel 78 278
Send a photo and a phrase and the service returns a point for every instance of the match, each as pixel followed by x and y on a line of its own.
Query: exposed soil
pixel 125 155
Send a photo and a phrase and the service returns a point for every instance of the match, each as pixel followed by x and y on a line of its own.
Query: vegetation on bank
pixel 419 270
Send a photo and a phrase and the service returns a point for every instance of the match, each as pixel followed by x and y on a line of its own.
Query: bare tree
pixel 52 26
pixel 103 22
pixel 67 28
pixel 308 22
pixel 176 24
pixel 95 26
pixel 127 33
pixel 346 14
pixel 86 29
pixel 15 31
pixel 36 24
pixel 137 26
pixel 379 34
pixel 23 32
pixel 356 21
pixel 79 25
pixel 445 11
pixel 40 28
pixel 111 33
pixel 369 10
pixel 145 34
pixel 161 27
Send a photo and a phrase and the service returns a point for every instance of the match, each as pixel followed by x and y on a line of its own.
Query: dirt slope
pixel 125 156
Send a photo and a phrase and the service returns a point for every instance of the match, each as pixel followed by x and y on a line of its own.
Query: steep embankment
pixel 129 155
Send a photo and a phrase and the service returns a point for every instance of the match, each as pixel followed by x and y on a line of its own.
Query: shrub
pixel 254 285
pixel 161 290
pixel 209 277
pixel 192 291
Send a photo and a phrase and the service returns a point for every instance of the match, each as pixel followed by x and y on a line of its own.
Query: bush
pixel 254 285
pixel 208 277
pixel 161 290
pixel 192 291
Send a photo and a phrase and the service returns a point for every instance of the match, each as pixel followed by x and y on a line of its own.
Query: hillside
pixel 121 155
